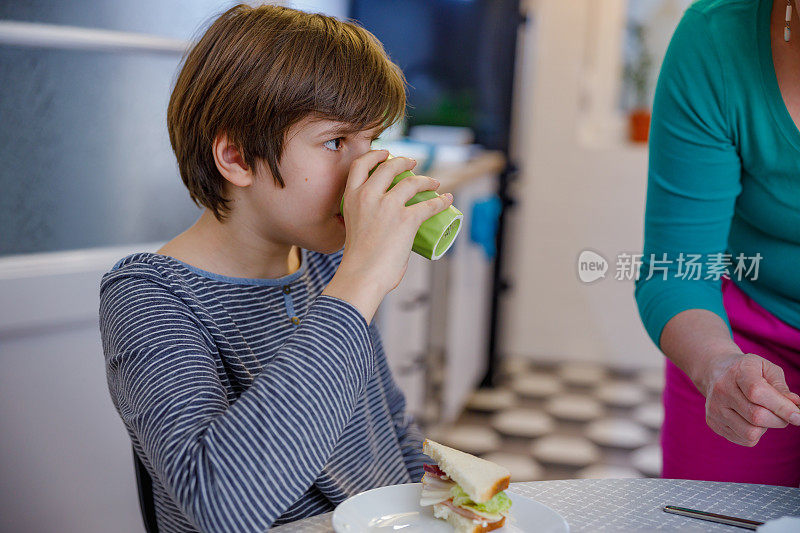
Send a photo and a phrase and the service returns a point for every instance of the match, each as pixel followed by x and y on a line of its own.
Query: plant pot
pixel 639 122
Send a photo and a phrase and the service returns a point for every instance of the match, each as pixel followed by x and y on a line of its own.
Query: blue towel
pixel 484 221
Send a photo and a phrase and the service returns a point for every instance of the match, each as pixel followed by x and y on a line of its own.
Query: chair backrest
pixel 144 484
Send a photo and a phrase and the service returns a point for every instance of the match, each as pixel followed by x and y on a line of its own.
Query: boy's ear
pixel 230 162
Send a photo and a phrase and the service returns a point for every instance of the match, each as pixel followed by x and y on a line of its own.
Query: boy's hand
pixel 380 228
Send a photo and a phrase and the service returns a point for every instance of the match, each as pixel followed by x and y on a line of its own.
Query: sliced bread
pixel 480 479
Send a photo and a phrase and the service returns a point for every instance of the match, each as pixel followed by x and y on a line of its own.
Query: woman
pixel 724 178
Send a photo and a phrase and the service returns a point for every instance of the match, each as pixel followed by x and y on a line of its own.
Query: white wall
pixel 580 187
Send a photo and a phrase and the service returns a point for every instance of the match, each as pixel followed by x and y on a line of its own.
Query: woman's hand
pixel 745 396
pixel 380 228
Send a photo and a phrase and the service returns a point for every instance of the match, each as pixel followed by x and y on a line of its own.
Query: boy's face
pixel 314 166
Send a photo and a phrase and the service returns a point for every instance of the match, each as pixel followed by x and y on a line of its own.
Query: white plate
pixel 396 508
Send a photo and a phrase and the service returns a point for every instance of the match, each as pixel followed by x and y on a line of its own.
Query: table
pixel 635 504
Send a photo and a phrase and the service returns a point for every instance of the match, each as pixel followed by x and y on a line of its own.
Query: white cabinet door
pixel 469 292
pixel 440 312
pixel 65 457
pixel 403 320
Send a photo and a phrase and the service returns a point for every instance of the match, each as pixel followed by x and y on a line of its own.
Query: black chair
pixel 144 484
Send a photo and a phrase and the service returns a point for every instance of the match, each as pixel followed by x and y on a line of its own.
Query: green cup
pixel 437 234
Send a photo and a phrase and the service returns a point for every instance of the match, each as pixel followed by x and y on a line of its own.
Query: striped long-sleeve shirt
pixel 251 402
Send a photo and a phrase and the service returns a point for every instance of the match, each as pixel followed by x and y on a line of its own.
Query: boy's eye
pixel 334 144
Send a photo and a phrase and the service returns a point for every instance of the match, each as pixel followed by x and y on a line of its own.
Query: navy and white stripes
pixel 244 417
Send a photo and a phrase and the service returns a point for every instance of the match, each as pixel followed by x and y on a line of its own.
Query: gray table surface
pixel 635 504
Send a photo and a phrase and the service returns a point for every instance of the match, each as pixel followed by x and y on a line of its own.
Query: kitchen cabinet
pixel 435 324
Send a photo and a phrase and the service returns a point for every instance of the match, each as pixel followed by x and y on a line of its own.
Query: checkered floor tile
pixel 566 421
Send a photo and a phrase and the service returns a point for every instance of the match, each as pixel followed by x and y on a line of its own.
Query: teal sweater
pixel 724 169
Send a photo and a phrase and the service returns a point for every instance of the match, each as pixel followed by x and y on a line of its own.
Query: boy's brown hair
pixel 256 72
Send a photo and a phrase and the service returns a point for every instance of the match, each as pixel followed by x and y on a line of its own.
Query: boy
pixel 241 356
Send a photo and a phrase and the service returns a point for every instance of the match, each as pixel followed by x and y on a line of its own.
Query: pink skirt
pixel 691 450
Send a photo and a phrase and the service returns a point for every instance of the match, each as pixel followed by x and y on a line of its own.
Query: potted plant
pixel 637 74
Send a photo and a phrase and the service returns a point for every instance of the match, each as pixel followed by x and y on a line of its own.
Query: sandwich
pixel 465 490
